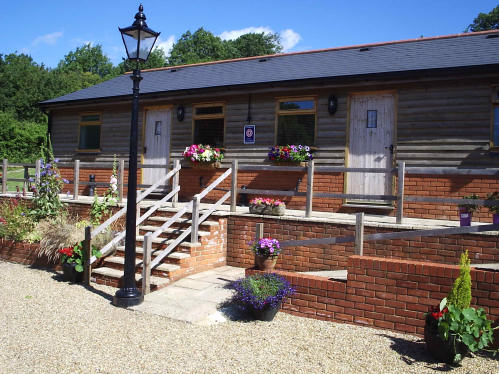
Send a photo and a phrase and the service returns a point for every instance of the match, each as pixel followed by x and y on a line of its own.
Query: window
pixel 296 121
pixel 90 126
pixel 209 121
pixel 494 141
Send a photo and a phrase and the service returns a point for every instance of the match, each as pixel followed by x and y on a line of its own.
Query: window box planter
pixel 277 210
pixel 204 165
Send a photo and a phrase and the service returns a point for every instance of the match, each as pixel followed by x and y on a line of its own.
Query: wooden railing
pixel 401 171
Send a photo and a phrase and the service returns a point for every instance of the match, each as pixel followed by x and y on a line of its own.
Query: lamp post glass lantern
pixel 139 41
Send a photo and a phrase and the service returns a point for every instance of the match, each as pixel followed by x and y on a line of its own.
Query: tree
pixel 198 47
pixel 485 21
pixel 255 44
pixel 87 59
pixel 157 59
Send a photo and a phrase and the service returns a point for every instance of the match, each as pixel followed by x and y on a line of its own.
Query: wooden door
pixel 370 144
pixel 156 144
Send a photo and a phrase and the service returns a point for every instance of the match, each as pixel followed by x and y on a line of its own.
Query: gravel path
pixel 53 327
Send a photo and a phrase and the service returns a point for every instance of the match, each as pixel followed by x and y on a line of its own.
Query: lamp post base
pixel 127 297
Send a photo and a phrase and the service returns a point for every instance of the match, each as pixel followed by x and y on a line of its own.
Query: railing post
pixel 359 234
pixel 400 192
pixel 259 231
pixel 38 167
pixel 137 219
pixel 76 179
pixel 310 188
pixel 233 186
pixel 5 165
pixel 146 264
pixel 87 254
pixel 175 182
pixel 26 180
pixel 121 179
pixel 195 219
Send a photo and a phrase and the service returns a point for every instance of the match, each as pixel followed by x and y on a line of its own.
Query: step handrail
pixel 140 197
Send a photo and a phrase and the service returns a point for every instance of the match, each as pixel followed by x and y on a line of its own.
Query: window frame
pixel 494 99
pixel 89 123
pixel 196 117
pixel 291 112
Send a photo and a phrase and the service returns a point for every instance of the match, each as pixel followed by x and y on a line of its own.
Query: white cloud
pixel 234 34
pixel 289 38
pixel 50 39
pixel 166 45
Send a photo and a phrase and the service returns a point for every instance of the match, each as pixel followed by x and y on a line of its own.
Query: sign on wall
pixel 249 134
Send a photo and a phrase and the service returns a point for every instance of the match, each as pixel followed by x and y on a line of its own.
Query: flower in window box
pixel 290 153
pixel 263 205
pixel 199 155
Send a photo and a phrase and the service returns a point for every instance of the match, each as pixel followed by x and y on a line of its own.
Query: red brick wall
pixel 386 293
pixel 24 253
pixel 241 231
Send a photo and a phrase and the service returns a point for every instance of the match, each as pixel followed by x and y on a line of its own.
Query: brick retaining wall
pixel 25 254
pixel 391 294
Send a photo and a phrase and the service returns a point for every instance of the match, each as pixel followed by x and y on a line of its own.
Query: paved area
pixel 198 298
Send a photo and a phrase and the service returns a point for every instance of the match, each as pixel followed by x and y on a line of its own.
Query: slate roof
pixel 453 51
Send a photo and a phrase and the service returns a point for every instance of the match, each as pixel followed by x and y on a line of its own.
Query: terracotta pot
pixel 204 165
pixel 442 350
pixel 266 314
pixel 265 263
pixel 465 217
pixel 69 274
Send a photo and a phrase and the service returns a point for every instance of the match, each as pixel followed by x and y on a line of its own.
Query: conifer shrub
pixel 460 294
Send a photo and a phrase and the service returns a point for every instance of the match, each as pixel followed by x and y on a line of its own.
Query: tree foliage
pixel 460 294
pixel 88 59
pixel 157 59
pixel 485 21
pixel 202 46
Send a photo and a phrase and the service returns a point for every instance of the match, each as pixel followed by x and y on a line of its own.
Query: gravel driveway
pixel 53 327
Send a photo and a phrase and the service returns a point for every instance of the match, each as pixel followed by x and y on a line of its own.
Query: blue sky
pixel 47 30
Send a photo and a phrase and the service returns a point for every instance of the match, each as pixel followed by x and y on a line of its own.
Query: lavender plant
pixel 261 290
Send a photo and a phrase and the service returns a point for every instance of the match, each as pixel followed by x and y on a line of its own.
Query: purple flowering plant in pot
pixel 290 154
pixel 494 209
pixel 466 210
pixel 266 251
pixel 262 294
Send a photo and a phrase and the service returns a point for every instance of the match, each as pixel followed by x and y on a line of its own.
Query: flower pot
pixel 256 208
pixel 204 165
pixel 265 262
pixel 69 274
pixel 290 163
pixel 464 217
pixel 266 314
pixel 276 210
pixel 442 350
pixel 495 218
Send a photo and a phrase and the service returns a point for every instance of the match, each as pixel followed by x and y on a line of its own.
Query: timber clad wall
pixel 386 293
pixel 447 250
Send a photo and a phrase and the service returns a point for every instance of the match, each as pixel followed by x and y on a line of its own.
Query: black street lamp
pixel 139 41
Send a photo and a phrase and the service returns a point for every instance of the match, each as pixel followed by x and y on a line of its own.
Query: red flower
pixel 2 220
pixel 67 251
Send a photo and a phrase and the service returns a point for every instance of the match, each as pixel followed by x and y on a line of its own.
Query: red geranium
pixel 437 314
pixel 67 251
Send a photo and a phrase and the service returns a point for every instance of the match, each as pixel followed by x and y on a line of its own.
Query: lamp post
pixel 139 41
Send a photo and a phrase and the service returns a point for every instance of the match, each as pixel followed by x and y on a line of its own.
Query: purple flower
pixel 65 180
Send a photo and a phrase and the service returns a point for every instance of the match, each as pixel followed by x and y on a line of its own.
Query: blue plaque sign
pixel 249 134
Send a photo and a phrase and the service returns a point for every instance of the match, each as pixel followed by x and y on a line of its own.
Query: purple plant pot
pixel 495 218
pixel 465 218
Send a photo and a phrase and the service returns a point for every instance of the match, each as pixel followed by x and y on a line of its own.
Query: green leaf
pixel 469 313
pixel 469 340
pixel 443 303
pixel 79 268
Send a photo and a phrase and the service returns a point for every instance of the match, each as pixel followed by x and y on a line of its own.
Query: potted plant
pixel 290 154
pixel 262 294
pixel 494 197
pixel 266 251
pixel 466 210
pixel 262 205
pixel 73 260
pixel 203 156
pixel 454 328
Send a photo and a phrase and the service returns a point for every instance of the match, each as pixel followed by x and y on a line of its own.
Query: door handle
pixel 390 147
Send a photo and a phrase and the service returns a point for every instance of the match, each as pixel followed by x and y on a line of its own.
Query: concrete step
pixel 176 256
pixel 140 238
pixel 156 282
pixel 138 263
pixel 170 230
pixel 186 221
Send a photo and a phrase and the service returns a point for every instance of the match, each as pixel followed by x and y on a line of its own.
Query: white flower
pixel 113 180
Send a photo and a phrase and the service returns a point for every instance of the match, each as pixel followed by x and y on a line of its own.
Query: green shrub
pixel 15 222
pixel 460 294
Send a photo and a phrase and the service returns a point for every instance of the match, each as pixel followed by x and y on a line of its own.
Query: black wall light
pixel 332 104
pixel 180 113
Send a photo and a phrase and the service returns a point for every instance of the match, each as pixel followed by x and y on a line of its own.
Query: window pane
pixel 90 118
pixel 89 137
pixel 209 132
pixel 209 110
pixel 297 105
pixel 298 129
pixel 495 132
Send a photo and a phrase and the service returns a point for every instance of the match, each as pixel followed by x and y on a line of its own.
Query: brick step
pixel 172 257
pixel 113 277
pixel 170 230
